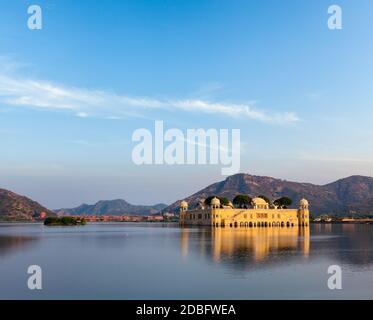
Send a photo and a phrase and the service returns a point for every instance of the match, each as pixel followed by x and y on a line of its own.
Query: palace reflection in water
pixel 145 261
pixel 253 244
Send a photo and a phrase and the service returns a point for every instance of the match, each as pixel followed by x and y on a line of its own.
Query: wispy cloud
pixel 235 110
pixel 16 90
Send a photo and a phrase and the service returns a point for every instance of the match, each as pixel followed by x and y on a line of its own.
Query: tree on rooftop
pixel 242 201
pixel 283 202
pixel 223 200
pixel 266 199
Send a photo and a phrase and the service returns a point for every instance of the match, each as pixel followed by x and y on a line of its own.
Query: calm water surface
pixel 162 261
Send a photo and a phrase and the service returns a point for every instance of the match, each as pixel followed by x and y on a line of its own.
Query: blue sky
pixel 72 94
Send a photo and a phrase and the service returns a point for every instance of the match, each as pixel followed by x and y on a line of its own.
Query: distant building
pixel 42 215
pixel 260 215
pixel 169 215
pixel 156 218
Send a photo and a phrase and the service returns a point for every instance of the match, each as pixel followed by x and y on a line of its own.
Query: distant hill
pixel 348 196
pixel 16 207
pixel 112 207
pixel 352 195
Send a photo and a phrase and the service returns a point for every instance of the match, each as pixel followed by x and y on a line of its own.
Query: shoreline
pixel 362 221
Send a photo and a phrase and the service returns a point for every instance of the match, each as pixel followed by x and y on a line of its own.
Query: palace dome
pixel 183 204
pixel 215 202
pixel 303 202
pixel 259 201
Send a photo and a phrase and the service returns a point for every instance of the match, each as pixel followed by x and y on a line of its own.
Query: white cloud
pixel 235 110
pixel 19 91
pixel 82 115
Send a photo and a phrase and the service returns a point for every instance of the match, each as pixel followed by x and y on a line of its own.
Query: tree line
pixel 245 201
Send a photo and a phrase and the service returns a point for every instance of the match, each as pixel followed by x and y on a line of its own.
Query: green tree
pixel 265 198
pixel 242 201
pixel 64 221
pixel 208 200
pixel 223 200
pixel 283 202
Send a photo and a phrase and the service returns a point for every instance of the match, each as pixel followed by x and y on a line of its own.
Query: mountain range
pixel 348 196
pixel 16 207
pixel 112 207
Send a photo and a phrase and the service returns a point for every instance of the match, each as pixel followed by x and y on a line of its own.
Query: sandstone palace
pixel 260 214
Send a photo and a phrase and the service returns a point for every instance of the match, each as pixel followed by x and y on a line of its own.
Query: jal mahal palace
pixel 259 215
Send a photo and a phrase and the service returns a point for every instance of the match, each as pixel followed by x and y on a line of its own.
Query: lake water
pixel 163 261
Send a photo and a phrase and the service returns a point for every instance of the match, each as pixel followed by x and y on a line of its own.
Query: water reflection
pixel 10 244
pixel 349 243
pixel 241 246
pixel 144 261
pixel 259 242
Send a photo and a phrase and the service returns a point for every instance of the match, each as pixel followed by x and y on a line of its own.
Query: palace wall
pixel 229 217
